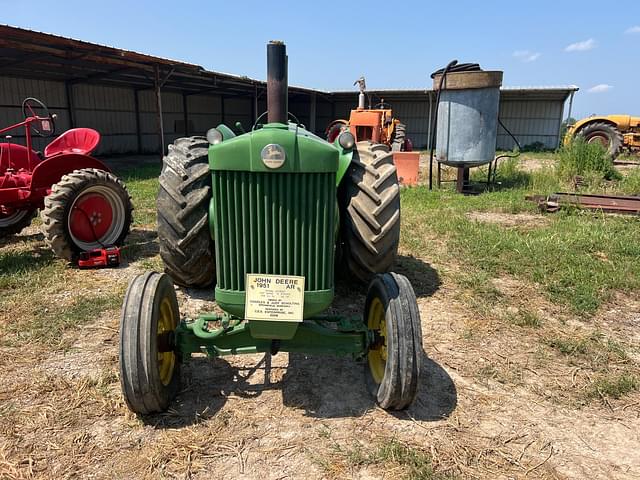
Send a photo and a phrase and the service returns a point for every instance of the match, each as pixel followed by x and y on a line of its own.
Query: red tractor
pixel 83 205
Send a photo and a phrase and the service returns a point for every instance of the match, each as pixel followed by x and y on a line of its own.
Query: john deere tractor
pixel 264 215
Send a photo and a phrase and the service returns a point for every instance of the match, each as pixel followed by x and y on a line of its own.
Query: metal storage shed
pixel 140 103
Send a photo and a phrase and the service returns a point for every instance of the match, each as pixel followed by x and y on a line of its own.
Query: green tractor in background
pixel 267 216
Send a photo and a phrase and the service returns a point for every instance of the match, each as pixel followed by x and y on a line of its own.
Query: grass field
pixel 531 329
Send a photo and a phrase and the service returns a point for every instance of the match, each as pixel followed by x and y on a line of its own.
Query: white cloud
pixel 634 29
pixel 603 87
pixel 581 46
pixel 526 55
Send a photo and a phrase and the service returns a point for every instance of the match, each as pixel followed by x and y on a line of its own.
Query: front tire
pixel 394 361
pixel 86 209
pixel 149 378
pixel 370 212
pixel 605 134
pixel 186 246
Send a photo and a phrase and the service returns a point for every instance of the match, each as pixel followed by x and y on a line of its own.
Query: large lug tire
pixel 606 134
pixel 399 137
pixel 394 362
pixel 370 212
pixel 86 209
pixel 149 367
pixel 13 221
pixel 186 246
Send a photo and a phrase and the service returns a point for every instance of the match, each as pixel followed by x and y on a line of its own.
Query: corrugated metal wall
pixel 112 111
pixel 14 90
pixel 530 121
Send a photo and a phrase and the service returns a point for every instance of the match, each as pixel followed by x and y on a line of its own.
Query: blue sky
pixel 394 44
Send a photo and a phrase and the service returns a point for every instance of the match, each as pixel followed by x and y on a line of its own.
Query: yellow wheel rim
pixel 377 356
pixel 166 323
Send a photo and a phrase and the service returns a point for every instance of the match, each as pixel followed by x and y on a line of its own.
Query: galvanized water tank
pixel 467 117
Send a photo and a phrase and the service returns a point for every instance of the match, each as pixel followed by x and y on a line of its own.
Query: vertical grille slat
pixel 274 223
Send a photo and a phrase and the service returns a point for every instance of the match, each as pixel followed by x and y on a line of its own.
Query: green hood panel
pixel 305 152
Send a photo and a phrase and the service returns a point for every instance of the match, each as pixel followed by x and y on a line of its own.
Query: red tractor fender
pixel 51 170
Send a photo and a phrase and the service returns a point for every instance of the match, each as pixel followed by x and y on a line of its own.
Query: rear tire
pixel 399 138
pixel 14 222
pixel 186 246
pixel 605 133
pixel 149 379
pixel 394 362
pixel 69 230
pixel 370 212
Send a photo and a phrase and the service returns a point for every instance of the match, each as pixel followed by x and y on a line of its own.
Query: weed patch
pixel 613 387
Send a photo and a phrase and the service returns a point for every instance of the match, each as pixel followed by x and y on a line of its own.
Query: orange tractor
pixel 378 125
pixel 375 124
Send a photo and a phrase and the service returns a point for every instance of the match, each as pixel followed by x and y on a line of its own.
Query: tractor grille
pixel 274 223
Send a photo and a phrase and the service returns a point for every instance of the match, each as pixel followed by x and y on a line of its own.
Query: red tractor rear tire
pixel 14 221
pixel 86 209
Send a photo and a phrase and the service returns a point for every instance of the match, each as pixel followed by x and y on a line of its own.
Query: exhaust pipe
pixel 277 87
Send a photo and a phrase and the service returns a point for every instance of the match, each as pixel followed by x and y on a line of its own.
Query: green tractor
pixel 267 216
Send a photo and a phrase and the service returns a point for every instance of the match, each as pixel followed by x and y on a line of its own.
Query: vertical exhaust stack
pixel 277 87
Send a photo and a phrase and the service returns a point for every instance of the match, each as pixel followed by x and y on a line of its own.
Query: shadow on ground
pixel 15 239
pixel 140 244
pixel 24 261
pixel 320 386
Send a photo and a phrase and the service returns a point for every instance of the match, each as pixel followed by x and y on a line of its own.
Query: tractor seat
pixel 77 140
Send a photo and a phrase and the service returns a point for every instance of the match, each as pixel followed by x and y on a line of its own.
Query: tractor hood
pixel 275 148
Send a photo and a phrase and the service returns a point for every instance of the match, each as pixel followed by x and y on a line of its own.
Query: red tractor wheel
pixel 12 220
pixel 86 209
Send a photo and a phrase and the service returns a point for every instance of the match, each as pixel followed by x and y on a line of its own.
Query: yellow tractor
pixel 614 132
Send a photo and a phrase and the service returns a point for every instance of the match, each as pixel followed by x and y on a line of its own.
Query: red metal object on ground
pixel 408 167
pixel 100 258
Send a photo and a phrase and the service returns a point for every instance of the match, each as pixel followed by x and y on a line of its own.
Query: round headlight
pixel 346 140
pixel 214 136
pixel 273 155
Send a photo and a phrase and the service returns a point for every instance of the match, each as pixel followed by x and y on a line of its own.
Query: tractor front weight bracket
pixel 322 335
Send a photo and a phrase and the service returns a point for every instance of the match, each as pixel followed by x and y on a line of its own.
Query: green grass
pixel 142 183
pixel 387 453
pixel 613 387
pixel 578 258
pixel 48 325
pixel 588 159
pixel 526 318
pixel 594 351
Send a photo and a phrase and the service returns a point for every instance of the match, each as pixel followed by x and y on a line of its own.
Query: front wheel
pixel 394 360
pixel 86 209
pixel 149 366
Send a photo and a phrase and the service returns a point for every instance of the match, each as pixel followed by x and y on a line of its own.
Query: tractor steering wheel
pixel 32 107
pixel 382 105
pixel 289 114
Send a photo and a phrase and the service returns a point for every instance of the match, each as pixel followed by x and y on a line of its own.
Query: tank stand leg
pixel 462 182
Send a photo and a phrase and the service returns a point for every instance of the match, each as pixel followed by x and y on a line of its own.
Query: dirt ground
pixel 492 403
